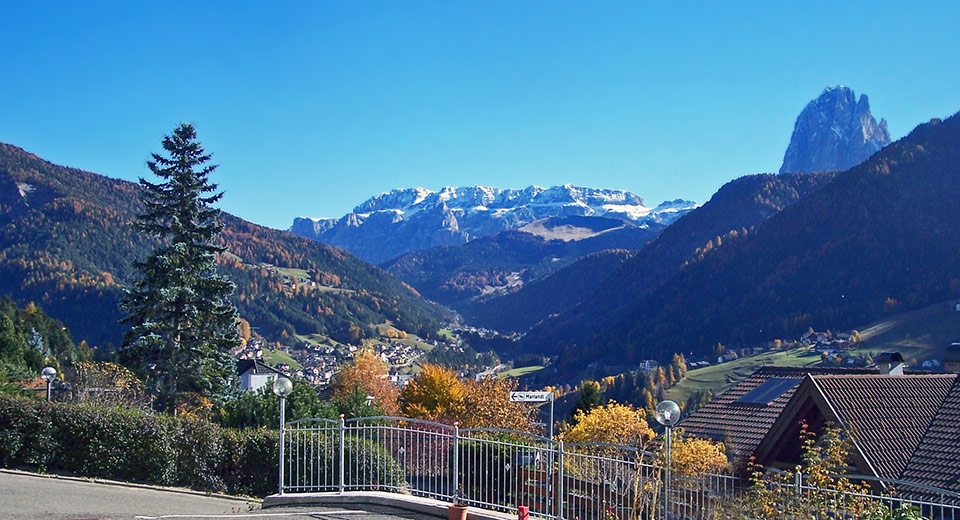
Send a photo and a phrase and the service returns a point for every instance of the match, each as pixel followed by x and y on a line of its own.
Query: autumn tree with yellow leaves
pixel 109 384
pixel 436 395
pixel 612 423
pixel 693 457
pixel 373 375
pixel 487 405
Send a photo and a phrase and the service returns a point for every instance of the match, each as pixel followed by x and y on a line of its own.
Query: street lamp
pixel 282 387
pixel 668 414
pixel 48 374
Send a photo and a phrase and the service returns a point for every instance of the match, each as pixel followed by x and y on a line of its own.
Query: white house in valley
pixel 254 374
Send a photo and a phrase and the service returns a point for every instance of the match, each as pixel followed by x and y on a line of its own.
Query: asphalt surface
pixel 26 496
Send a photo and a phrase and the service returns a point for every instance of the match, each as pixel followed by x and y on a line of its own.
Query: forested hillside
pixel 552 294
pixel 66 243
pixel 880 239
pixel 501 263
pixel 606 285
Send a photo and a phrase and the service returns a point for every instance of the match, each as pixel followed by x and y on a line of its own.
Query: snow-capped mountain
pixel 412 219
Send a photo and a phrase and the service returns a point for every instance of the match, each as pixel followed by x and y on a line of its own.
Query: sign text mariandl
pixel 530 397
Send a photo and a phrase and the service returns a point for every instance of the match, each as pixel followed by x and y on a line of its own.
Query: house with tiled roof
pixel 904 425
pixel 736 416
pixel 885 416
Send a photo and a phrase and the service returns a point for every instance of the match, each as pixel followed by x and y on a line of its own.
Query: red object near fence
pixel 523 513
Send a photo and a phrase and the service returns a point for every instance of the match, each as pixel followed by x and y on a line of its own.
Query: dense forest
pixel 553 294
pixel 599 289
pixel 879 239
pixel 66 242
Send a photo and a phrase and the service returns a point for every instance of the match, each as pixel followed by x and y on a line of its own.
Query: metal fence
pixel 502 470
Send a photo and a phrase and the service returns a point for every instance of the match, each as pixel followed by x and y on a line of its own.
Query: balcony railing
pixel 501 470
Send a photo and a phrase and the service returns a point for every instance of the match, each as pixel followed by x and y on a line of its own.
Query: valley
pixel 482 260
pixel 591 282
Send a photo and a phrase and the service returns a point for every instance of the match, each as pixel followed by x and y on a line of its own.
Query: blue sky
pixel 311 108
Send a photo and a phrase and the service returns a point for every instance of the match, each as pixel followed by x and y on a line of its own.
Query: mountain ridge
pixel 407 220
pixel 66 242
pixel 737 206
pixel 878 239
pixel 501 263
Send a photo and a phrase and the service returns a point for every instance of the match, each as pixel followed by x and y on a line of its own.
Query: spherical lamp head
pixel 668 413
pixel 48 374
pixel 282 387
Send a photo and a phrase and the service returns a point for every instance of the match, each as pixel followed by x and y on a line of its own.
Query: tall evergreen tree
pixel 182 326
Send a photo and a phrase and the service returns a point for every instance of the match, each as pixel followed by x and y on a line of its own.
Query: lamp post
pixel 668 414
pixel 282 387
pixel 48 374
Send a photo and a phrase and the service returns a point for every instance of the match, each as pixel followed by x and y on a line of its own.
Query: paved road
pixel 26 496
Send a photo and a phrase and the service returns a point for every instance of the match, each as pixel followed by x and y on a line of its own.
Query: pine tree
pixel 182 327
pixel 591 396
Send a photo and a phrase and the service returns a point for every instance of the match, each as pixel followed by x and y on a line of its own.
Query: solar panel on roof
pixel 769 390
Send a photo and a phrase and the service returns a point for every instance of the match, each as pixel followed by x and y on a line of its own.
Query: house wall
pixel 788 451
pixel 250 382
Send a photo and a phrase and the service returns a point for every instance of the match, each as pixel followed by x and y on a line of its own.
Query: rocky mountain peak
pixel 411 219
pixel 834 132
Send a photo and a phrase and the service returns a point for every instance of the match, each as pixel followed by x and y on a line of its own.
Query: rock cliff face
pixel 413 219
pixel 834 132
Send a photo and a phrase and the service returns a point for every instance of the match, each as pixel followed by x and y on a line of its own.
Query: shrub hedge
pixel 123 444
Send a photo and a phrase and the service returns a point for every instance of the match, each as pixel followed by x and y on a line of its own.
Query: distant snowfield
pixel 565 232
pixel 528 204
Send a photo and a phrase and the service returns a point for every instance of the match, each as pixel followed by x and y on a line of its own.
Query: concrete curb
pixel 119 483
pixel 426 506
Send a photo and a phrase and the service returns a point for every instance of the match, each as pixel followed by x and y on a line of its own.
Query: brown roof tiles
pixel 741 426
pixel 905 427
pixel 886 416
pixel 936 461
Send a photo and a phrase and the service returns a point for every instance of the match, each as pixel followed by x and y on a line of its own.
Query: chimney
pixel 890 363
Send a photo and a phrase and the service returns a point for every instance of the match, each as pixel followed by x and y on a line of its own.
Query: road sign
pixel 530 397
pixel 535 397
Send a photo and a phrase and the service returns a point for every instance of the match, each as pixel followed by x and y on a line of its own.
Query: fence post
pixel 340 455
pixel 455 471
pixel 559 487
pixel 666 474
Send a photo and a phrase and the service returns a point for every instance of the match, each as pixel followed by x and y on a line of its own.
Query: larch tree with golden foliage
pixel 435 394
pixel 373 375
pixel 487 405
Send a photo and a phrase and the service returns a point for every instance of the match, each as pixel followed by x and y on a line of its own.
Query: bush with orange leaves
pixel 437 395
